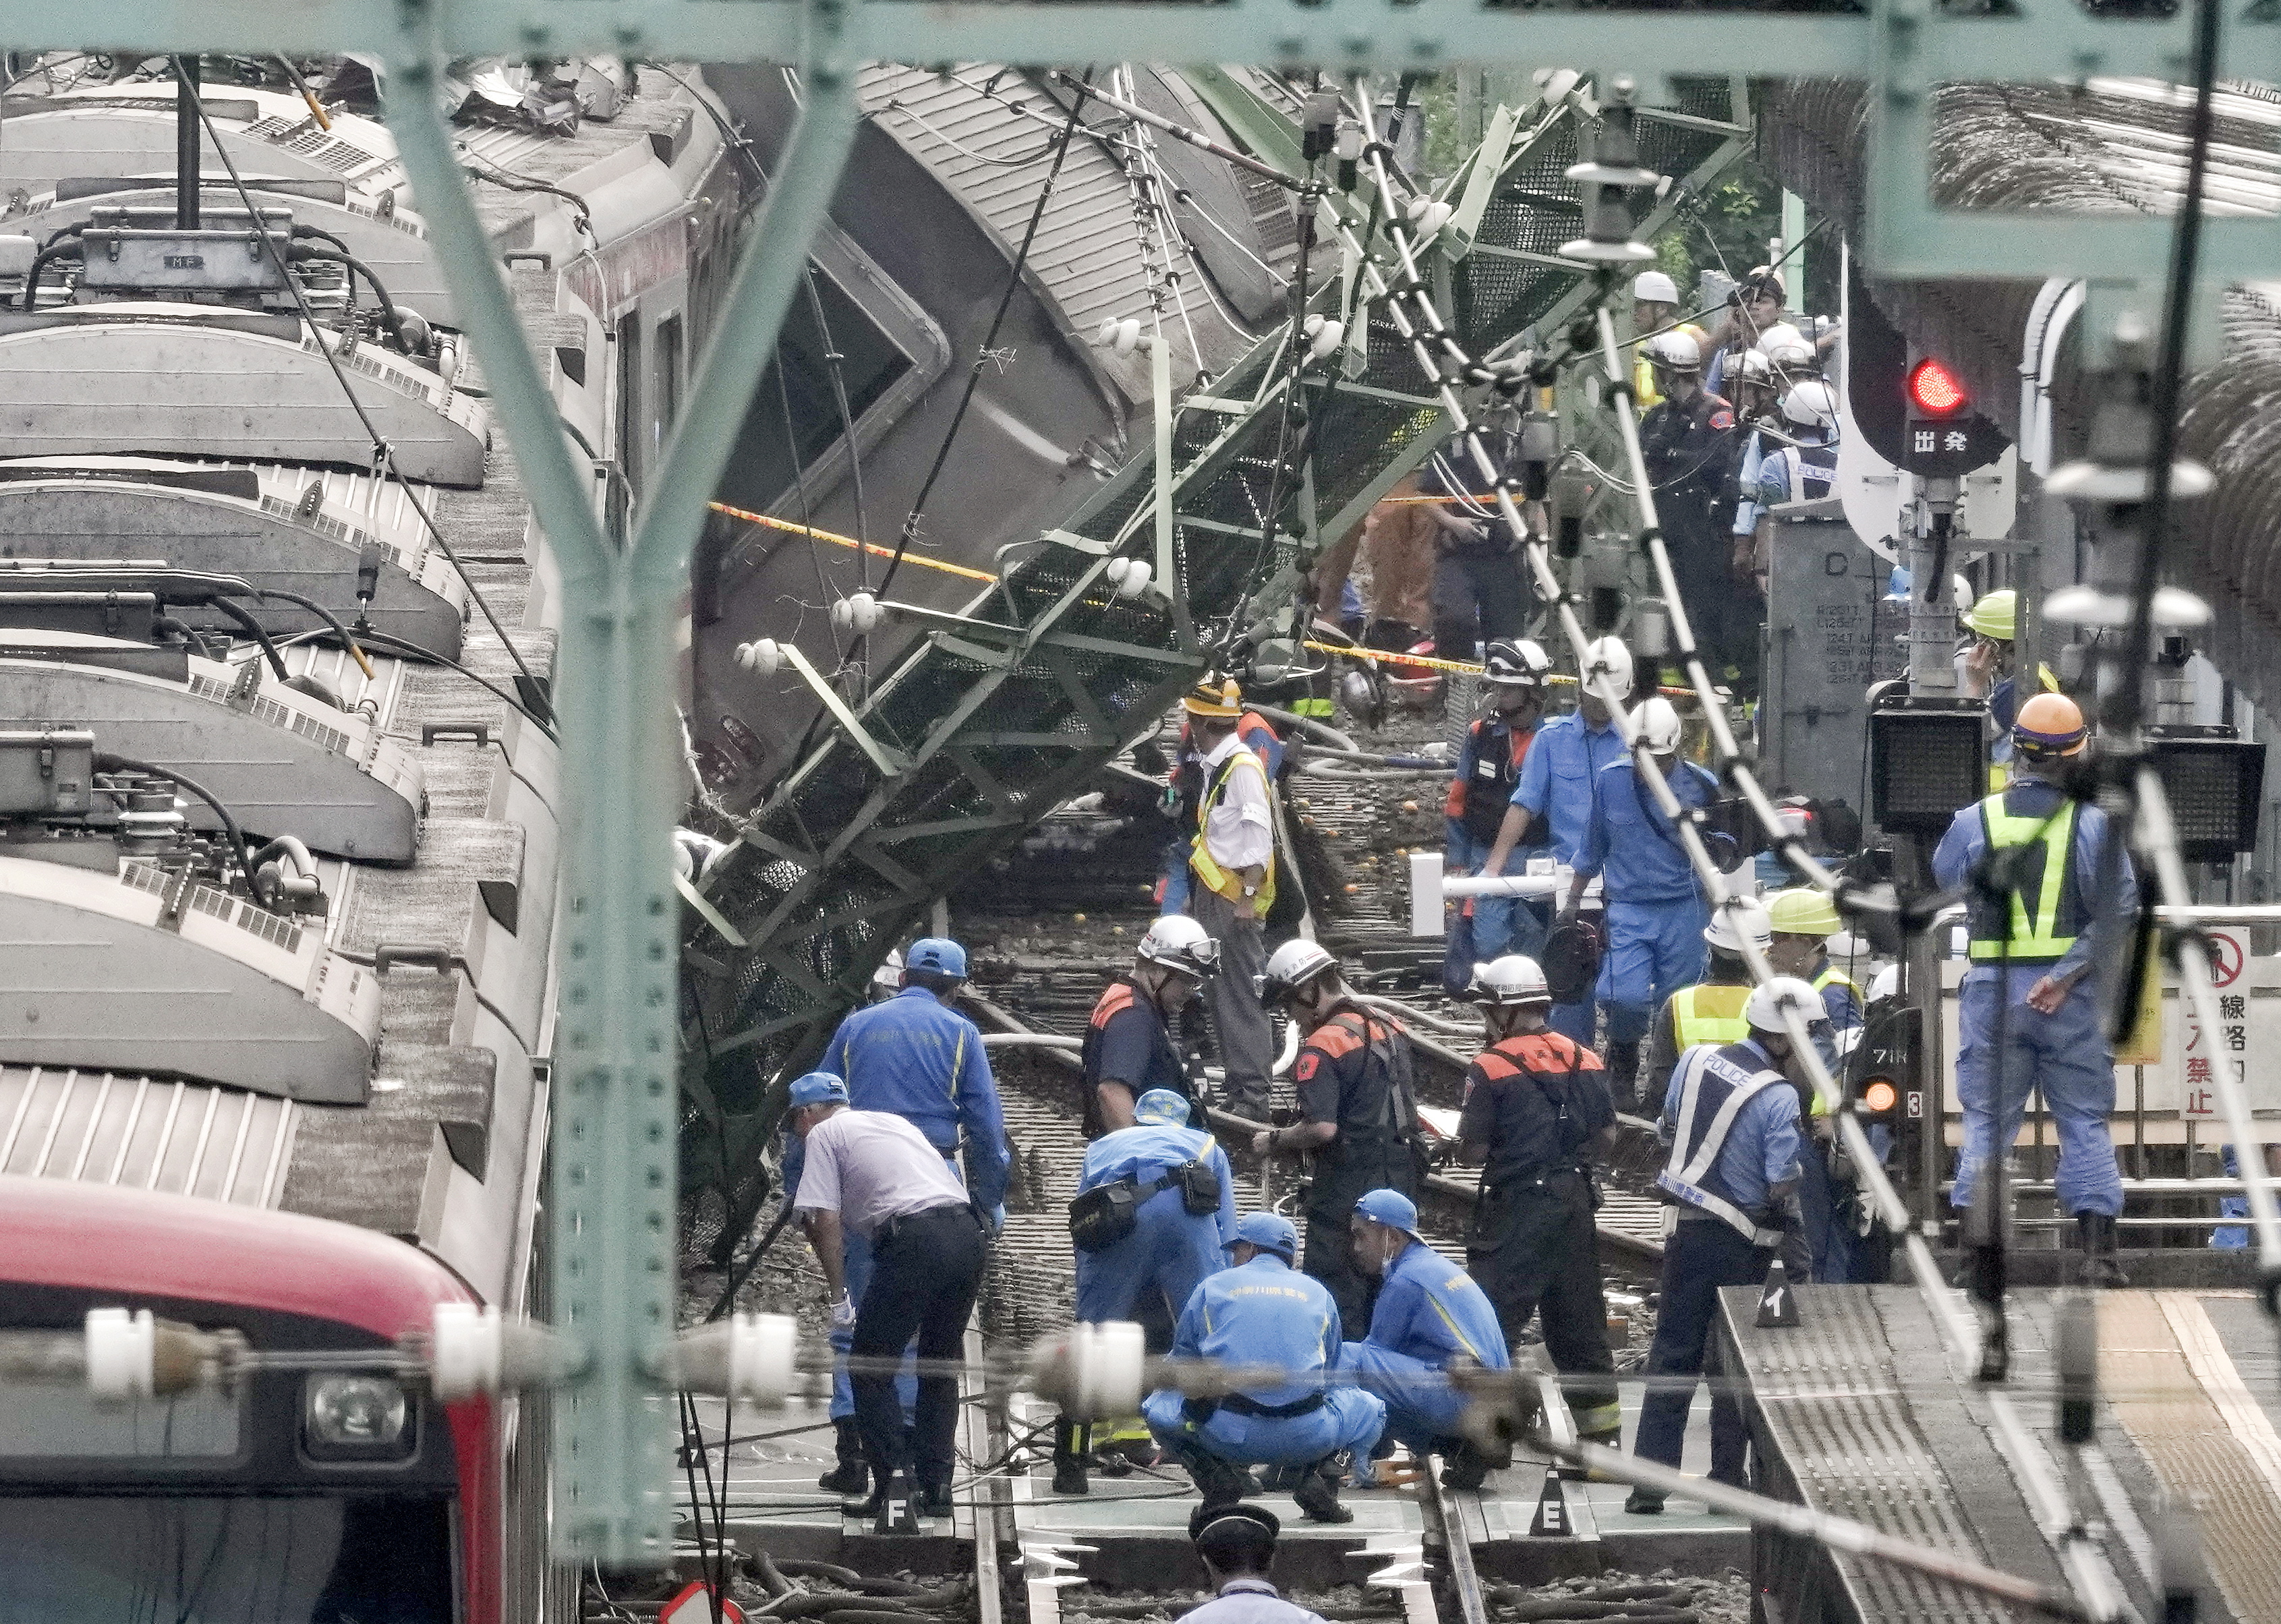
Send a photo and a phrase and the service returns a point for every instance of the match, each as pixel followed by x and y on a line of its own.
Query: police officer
pixel 1553 804
pixel 1232 867
pixel 1259 1310
pixel 1128 1039
pixel 1710 1011
pixel 1804 470
pixel 1236 1544
pixel 1186 788
pixel 873 1174
pixel 1803 920
pixel 1731 1116
pixel 1688 444
pixel 1536 1110
pixel 1173 1244
pixel 1656 909
pixel 915 1056
pixel 2031 858
pixel 1481 792
pixel 1429 1313
pixel 1357 1111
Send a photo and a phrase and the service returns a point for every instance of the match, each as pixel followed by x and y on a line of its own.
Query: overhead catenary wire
pixel 384 454
pixel 2047 1497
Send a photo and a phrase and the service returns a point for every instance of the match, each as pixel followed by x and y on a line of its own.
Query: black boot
pixel 1218 1481
pixel 2097 1231
pixel 1071 1441
pixel 851 1476
pixel 1623 1077
pixel 1317 1493
pixel 1464 1466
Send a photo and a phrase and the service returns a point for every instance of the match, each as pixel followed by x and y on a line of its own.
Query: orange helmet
pixel 2049 724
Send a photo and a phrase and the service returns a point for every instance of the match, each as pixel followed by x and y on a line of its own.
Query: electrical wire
pixel 989 340
pixel 384 454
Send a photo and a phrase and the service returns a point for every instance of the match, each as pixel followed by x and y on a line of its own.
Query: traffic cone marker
pixel 1777 1300
pixel 1551 1519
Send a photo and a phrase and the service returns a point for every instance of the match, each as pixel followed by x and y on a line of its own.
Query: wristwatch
pixel 1251 891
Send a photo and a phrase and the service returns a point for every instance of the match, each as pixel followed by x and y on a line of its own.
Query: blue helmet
pixel 939 954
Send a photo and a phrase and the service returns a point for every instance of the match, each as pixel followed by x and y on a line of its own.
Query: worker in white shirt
pixel 875 1173
pixel 1232 860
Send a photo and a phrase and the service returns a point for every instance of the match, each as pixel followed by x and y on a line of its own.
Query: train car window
pixel 669 364
pixel 631 422
pixel 761 473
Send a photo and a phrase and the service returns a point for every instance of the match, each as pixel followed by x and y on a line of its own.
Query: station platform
pixel 1856 1410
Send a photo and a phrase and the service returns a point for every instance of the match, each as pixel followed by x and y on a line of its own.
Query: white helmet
pixel 1178 942
pixel 1290 966
pixel 1609 655
pixel 1783 995
pixel 887 980
pixel 1752 367
pixel 1675 352
pixel 1658 721
pixel 1656 286
pixel 1515 662
pixel 1512 979
pixel 1811 404
pixel 1737 917
pixel 1780 334
pixel 1792 356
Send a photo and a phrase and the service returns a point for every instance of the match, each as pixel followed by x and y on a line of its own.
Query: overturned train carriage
pixel 277 920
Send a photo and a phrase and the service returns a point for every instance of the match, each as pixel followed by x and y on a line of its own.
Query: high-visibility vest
pixel 1215 877
pixel 2045 937
pixel 1709 1013
pixel 1835 977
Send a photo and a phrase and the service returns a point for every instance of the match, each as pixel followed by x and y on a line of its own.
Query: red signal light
pixel 1934 391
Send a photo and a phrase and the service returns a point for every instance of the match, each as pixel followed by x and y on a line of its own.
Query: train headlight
pixel 356 1418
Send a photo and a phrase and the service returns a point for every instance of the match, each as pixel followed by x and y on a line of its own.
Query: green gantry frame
pixel 615 1127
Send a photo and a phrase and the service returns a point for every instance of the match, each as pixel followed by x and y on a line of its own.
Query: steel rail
pixel 2046 1496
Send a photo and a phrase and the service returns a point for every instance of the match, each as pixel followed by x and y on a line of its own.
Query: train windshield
pixel 226 1559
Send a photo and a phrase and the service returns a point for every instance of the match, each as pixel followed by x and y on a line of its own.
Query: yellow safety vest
pixel 1835 977
pixel 1710 1013
pixel 1215 878
pixel 2027 941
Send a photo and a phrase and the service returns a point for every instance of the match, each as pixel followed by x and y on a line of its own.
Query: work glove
pixel 843 1313
pixel 998 1220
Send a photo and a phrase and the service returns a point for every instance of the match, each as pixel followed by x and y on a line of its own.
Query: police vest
pixel 1812 471
pixel 1550 1062
pixel 1377 1116
pixel 1479 800
pixel 1215 878
pixel 1713 1091
pixel 1165 1073
pixel 2044 874
pixel 1709 1013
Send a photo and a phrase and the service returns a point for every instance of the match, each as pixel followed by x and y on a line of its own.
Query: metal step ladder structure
pixel 1010 707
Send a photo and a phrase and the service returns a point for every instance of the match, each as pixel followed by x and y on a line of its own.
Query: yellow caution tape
pixel 871 547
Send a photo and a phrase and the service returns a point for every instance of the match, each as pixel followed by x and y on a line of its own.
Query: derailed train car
pixel 279 829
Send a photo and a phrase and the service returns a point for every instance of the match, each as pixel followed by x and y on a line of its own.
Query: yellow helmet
pixel 1996 616
pixel 1215 697
pixel 1803 912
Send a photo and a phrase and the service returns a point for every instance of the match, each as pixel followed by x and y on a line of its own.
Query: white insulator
pixel 466 1351
pixel 1556 82
pixel 862 611
pixel 447 361
pixel 762 1362
pixel 765 657
pixel 1137 574
pixel 1312 325
pixel 1128 334
pixel 122 1353
pixel 1105 334
pixel 1107 1364
pixel 1326 336
pixel 1114 570
pixel 1427 222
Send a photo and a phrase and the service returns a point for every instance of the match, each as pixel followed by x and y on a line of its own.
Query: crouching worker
pixel 1261 1311
pixel 1429 1314
pixel 1155 1207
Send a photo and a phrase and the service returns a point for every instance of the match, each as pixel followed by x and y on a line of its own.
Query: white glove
pixel 843 1313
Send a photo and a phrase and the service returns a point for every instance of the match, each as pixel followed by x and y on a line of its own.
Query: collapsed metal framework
pixel 613 1207
pixel 1009 707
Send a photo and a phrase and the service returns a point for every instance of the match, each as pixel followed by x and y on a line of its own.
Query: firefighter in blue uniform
pixel 1261 1311
pixel 1656 909
pixel 1172 1247
pixel 2030 858
pixel 1536 1110
pixel 1357 1105
pixel 1552 803
pixel 1731 1118
pixel 1489 765
pixel 913 1057
pixel 1429 1313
